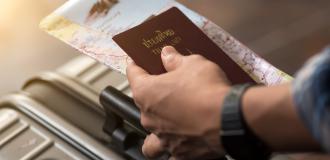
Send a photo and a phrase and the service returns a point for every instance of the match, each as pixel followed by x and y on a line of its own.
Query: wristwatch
pixel 238 140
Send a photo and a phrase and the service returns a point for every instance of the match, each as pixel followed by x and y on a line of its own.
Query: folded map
pixel 90 25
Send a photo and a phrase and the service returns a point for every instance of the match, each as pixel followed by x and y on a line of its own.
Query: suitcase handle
pixel 119 108
pixel 114 101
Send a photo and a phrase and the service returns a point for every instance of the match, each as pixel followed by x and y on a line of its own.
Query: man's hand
pixel 181 107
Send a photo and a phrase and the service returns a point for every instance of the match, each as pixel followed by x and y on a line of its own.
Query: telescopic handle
pixel 123 106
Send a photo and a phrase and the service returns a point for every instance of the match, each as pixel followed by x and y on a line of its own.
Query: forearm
pixel 271 115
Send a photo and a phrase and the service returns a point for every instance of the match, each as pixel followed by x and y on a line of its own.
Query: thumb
pixel 171 58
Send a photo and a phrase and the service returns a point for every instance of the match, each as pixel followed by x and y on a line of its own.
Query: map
pixel 89 25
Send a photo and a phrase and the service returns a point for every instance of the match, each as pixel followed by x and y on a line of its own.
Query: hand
pixel 181 107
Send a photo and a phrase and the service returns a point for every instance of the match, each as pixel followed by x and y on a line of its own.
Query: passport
pixel 145 42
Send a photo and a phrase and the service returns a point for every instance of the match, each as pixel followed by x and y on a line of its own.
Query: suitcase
pixel 72 92
pixel 58 115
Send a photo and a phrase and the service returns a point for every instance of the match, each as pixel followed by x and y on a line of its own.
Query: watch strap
pixel 237 139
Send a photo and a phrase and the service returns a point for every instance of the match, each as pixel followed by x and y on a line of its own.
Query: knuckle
pixel 147 108
pixel 142 101
pixel 137 100
pixel 210 65
pixel 142 94
pixel 196 57
pixel 171 63
pixel 138 92
pixel 144 121
pixel 176 61
pixel 147 123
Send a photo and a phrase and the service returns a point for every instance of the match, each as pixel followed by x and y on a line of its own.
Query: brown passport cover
pixel 144 43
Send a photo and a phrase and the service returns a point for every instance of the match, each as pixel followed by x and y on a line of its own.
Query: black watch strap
pixel 237 139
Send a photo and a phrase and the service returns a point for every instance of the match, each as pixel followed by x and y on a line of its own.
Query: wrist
pixel 275 108
pixel 237 138
pixel 215 100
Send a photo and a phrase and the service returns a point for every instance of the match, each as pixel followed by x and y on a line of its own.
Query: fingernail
pixel 168 51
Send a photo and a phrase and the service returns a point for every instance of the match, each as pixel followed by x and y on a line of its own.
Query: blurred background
pixel 284 32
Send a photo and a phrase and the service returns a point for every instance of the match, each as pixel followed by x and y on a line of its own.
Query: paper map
pixel 89 25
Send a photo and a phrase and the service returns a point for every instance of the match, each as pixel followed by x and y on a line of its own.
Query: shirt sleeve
pixel 311 93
